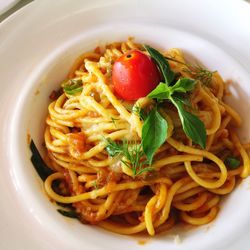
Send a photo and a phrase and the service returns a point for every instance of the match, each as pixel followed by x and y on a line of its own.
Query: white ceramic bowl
pixel 37 57
pixel 5 5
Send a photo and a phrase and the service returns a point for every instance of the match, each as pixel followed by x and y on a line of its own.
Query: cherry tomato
pixel 134 75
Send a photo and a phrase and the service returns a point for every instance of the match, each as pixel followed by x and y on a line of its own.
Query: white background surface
pixel 46 34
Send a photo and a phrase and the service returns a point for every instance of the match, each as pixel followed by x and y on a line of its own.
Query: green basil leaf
pixel 161 92
pixel 41 168
pixel 232 162
pixel 192 125
pixel 183 85
pixel 184 100
pixel 142 114
pixel 70 214
pixel 72 87
pixel 154 134
pixel 162 63
pixel 73 91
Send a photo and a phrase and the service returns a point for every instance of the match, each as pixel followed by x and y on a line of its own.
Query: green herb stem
pixel 196 71
pixel 132 152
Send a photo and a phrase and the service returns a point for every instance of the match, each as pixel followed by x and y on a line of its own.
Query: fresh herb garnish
pixel 113 148
pixel 185 100
pixel 72 86
pixel 41 168
pixel 68 213
pixel 232 162
pixel 162 63
pixel 200 73
pixel 139 112
pixel 154 133
pixel 132 155
pixel 44 171
pixel 183 85
pixel 163 92
pixel 196 71
pixel 192 125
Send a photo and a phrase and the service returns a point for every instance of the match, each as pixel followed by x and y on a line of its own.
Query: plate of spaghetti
pixel 132 133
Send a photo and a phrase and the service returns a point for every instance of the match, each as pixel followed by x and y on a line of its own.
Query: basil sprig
pixel 72 86
pixel 192 125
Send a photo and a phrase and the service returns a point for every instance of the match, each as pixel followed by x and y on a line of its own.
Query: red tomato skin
pixel 134 75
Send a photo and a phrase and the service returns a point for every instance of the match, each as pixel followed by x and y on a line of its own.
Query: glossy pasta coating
pixel 187 183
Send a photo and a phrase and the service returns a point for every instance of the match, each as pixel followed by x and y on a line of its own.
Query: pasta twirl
pixel 184 181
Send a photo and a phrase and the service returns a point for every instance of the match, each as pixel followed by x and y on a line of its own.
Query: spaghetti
pixel 184 182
